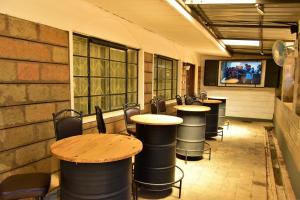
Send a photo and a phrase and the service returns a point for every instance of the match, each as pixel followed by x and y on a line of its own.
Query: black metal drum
pixel 222 109
pixel 156 163
pixel 212 117
pixel 99 181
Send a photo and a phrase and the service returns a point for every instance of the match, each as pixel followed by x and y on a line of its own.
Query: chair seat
pixel 131 129
pixel 25 186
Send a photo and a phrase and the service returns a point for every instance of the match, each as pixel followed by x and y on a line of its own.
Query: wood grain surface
pixel 96 148
pixel 210 101
pixel 192 108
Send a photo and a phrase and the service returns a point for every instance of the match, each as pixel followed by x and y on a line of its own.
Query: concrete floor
pixel 236 171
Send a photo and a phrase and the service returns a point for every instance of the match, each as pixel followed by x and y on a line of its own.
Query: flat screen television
pixel 243 72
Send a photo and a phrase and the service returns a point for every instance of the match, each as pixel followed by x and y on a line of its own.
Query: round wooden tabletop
pixel 153 119
pixel 217 97
pixel 192 108
pixel 231 81
pixel 210 101
pixel 96 148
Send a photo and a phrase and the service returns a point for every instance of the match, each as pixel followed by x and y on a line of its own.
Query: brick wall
pixel 148 64
pixel 34 83
pixel 287 129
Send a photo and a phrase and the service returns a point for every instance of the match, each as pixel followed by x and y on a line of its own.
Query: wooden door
pixel 190 80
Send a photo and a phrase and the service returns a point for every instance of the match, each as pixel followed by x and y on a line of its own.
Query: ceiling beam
pixel 247 26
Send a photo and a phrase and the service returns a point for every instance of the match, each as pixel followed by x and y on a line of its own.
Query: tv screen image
pixel 241 72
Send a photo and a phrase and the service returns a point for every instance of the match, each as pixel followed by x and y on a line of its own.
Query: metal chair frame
pixel 128 106
pixel 100 121
pixel 64 114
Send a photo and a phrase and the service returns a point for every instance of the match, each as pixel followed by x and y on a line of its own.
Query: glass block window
pixel 105 74
pixel 165 77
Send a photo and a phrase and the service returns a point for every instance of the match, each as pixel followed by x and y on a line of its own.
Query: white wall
pixel 243 102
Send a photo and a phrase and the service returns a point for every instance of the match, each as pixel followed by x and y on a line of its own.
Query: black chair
pixel 161 104
pixel 21 186
pixel 203 95
pixel 154 107
pixel 100 121
pixel 188 100
pixel 67 123
pixel 130 110
pixel 179 100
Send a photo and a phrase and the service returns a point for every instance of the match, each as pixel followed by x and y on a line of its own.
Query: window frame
pixel 156 90
pixel 108 78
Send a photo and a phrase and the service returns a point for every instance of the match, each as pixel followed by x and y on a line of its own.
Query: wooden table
pixel 96 166
pixel 212 117
pixel 156 163
pixel 191 133
pixel 231 81
pixel 222 108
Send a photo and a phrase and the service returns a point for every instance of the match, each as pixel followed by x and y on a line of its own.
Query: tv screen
pixel 241 72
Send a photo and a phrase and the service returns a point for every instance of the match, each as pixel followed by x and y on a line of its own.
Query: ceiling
pixel 214 22
pixel 160 17
pixel 243 21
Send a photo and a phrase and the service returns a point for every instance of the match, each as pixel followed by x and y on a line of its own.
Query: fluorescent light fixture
pixel 254 43
pixel 220 1
pixel 180 9
pixel 289 44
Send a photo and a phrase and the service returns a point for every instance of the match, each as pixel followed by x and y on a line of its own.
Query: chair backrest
pixel 162 108
pixel 188 100
pixel 179 100
pixel 130 110
pixel 100 121
pixel 154 109
pixel 203 95
pixel 67 123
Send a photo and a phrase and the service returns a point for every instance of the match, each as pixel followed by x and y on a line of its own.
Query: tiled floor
pixel 235 172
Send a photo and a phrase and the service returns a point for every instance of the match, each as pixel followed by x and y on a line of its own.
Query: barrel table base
pixel 165 186
pixel 212 118
pixel 99 181
pixel 191 135
pixel 156 162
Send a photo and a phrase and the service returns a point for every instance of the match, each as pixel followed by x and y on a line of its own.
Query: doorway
pixel 190 78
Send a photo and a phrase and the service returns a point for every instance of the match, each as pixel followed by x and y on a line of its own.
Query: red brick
pixel 21 28
pixel 148 57
pixel 148 77
pixel 3 24
pixel 11 116
pixel 62 105
pixel 148 88
pixel 53 35
pixel 38 92
pixel 8 70
pixel 148 67
pixel 60 92
pixel 39 112
pixel 24 50
pixel 28 71
pixel 55 72
pixel 60 55
pixel 12 94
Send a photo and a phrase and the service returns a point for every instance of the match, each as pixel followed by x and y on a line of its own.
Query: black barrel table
pixel 155 166
pixel 222 108
pixel 96 166
pixel 191 133
pixel 212 117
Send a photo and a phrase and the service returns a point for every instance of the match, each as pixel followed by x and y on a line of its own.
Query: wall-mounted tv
pixel 242 73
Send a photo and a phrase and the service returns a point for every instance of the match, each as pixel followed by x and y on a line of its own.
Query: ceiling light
pixel 220 1
pixel 241 42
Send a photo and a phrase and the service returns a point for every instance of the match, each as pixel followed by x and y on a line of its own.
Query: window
pixel 104 74
pixel 165 77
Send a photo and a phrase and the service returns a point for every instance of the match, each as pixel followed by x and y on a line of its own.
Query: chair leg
pixel 180 186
